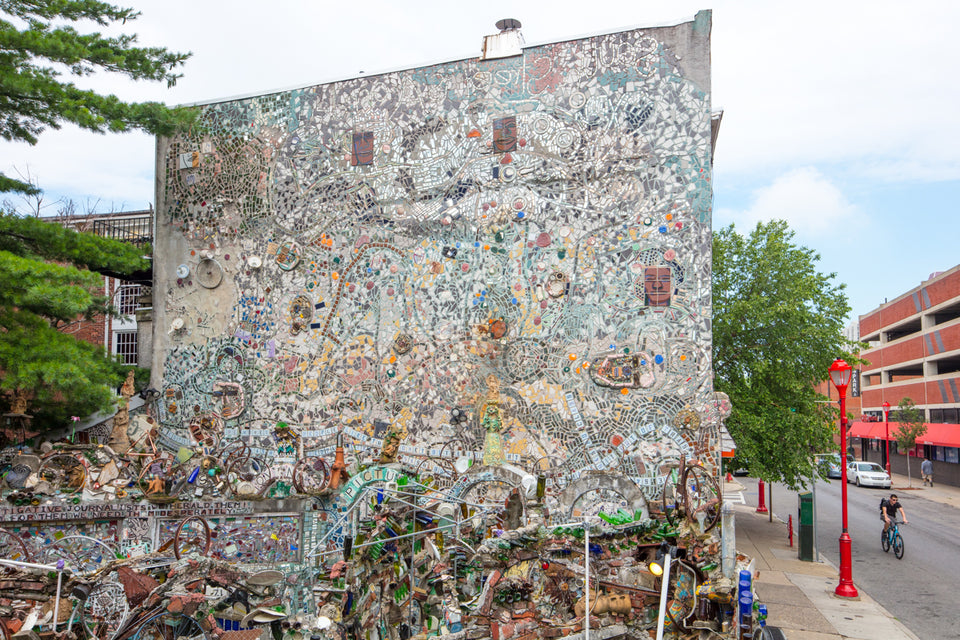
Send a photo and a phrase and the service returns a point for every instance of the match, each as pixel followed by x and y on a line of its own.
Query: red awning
pixel 867 429
pixel 940 435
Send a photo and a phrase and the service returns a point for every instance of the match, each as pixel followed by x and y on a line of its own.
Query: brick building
pixel 121 336
pixel 914 353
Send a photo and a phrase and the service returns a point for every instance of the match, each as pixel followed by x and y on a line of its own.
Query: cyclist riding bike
pixel 889 512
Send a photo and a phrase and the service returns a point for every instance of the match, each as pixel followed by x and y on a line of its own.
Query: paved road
pixel 921 589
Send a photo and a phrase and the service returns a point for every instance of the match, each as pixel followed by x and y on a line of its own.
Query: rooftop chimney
pixel 507 43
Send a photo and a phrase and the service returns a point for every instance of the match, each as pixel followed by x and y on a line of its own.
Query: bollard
pixel 761 500
pixel 728 541
pixel 790 529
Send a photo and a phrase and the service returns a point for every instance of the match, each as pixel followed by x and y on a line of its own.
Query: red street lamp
pixel 886 425
pixel 840 374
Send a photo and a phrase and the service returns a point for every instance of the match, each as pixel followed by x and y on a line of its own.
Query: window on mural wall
pixel 125 346
pixel 128 297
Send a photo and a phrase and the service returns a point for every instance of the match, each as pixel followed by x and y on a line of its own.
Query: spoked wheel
pixel 104 610
pixel 169 626
pixel 65 472
pixel 898 546
pixel 192 536
pixel 13 548
pixel 248 478
pixel 80 554
pixel 670 497
pixel 702 498
pixel 885 541
pixel 311 476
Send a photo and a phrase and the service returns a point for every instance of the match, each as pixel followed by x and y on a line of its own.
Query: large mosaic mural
pixel 507 260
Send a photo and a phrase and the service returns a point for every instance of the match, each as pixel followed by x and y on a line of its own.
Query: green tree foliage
pixel 39 45
pixel 911 428
pixel 776 329
pixel 49 279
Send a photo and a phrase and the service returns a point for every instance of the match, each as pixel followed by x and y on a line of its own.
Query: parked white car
pixel 868 474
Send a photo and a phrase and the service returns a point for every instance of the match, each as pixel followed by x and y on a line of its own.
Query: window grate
pixel 125 346
pixel 128 299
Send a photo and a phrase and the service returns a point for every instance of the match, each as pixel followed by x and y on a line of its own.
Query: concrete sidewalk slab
pixel 800 595
pixel 855 619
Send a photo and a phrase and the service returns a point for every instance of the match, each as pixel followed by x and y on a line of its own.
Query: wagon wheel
pixel 13 548
pixel 563 589
pixel 63 471
pixel 80 554
pixel 192 536
pixel 702 498
pixel 311 476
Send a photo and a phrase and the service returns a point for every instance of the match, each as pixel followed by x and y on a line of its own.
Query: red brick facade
pixel 915 349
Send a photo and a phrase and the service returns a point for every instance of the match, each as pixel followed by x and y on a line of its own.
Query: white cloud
pixel 809 202
pixel 862 83
pixel 865 83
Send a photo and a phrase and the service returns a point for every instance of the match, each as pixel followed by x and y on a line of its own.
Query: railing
pixel 135 230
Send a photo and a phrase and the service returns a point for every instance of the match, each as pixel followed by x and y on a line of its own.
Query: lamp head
pixel 840 374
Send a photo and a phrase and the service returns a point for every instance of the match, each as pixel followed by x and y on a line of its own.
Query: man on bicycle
pixel 890 508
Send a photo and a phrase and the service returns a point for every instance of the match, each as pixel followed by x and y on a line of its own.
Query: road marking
pixel 735 497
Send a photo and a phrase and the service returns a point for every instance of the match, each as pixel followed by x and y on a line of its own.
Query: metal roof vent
pixel 507 43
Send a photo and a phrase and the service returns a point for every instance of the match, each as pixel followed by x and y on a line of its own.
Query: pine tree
pixel 39 44
pixel 49 278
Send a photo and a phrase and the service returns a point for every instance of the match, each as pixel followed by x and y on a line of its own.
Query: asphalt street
pixel 921 589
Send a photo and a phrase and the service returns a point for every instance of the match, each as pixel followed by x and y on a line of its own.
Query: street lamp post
pixel 886 426
pixel 840 373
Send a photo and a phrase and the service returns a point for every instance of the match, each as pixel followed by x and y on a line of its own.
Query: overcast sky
pixel 840 116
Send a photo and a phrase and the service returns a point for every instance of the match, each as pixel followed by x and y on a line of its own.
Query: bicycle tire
pixel 898 546
pixel 170 626
pixel 701 495
pixel 885 541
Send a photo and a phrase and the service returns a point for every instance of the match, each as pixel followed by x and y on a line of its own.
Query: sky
pixel 839 117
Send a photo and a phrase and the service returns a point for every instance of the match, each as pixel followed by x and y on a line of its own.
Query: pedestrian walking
pixel 926 471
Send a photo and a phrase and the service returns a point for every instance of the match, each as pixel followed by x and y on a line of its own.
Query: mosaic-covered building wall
pixel 432 358
pixel 500 261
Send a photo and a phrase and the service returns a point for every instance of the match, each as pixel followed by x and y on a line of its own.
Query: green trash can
pixel 805 542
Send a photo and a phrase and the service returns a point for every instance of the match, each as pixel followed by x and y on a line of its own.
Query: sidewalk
pixel 799 595
pixel 942 493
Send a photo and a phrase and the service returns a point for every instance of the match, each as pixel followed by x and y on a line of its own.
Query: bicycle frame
pixel 893 531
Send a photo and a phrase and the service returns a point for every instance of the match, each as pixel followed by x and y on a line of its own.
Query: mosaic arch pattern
pixel 402 251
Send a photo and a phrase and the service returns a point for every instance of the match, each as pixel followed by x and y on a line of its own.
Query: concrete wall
pixel 395 251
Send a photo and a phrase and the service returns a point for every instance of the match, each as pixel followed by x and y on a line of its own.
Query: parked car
pixel 868 474
pixel 831 463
